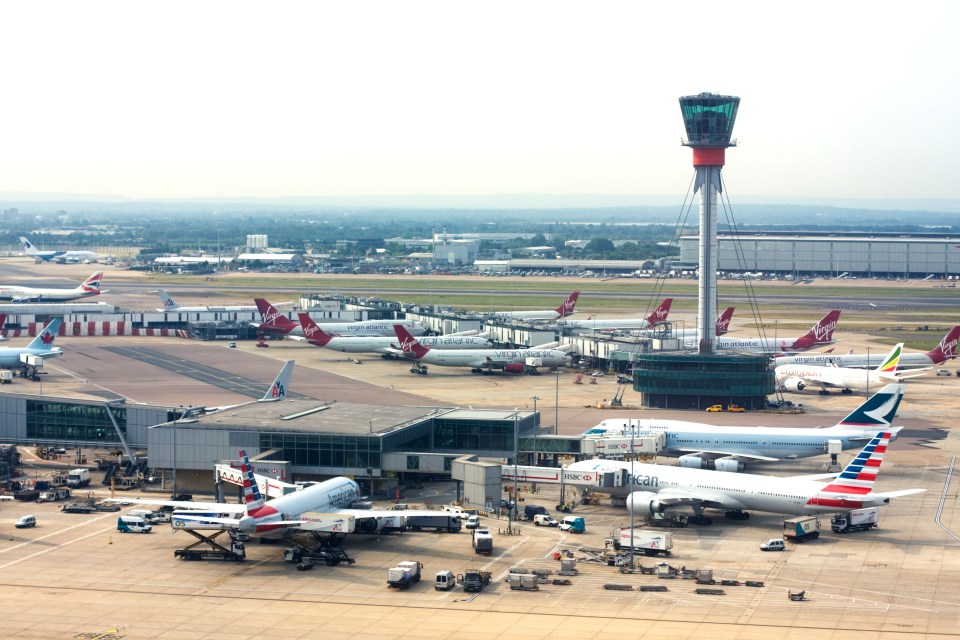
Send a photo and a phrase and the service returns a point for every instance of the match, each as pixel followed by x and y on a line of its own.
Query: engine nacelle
pixel 728 464
pixel 693 462
pixel 793 384
pixel 514 367
pixel 644 502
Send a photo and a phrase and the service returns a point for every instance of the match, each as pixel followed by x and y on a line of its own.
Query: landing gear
pixel 824 392
pixel 847 391
pixel 699 518
pixel 419 369
pixel 737 515
pixel 262 339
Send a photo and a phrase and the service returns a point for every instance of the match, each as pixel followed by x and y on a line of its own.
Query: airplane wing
pixel 706 454
pixel 218 507
pixel 679 497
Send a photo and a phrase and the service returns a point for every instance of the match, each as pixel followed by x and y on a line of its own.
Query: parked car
pixel 773 544
pixel 715 408
pixel 26 521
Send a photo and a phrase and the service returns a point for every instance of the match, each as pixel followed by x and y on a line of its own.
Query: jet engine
pixel 728 464
pixel 693 462
pixel 644 502
pixel 514 367
pixel 793 384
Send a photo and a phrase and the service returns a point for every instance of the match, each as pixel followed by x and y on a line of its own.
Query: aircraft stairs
pixel 111 472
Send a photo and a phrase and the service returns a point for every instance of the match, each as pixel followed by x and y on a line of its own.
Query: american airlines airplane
pixel 594 324
pixel 797 377
pixel 564 310
pixel 701 446
pixel 944 351
pixel 89 288
pixel 820 335
pixel 482 360
pixel 375 344
pixel 276 322
pixel 57 256
pixel 41 346
pixel 652 488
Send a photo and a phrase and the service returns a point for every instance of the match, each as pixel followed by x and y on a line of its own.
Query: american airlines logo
pixel 823 332
pixel 168 303
pixel 278 391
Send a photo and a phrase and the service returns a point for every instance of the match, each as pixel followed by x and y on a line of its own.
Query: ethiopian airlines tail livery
pixel 797 377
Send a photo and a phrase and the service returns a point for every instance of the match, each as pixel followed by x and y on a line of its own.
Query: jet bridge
pixel 606 479
pixel 619 446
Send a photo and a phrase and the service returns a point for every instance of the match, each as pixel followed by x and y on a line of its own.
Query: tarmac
pixel 75 575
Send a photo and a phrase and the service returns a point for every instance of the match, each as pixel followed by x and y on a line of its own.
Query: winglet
pixel 278 390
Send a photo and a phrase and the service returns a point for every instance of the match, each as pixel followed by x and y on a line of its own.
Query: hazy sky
pixel 185 99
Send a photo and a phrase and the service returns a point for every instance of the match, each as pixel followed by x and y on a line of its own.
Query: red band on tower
pixel 708 156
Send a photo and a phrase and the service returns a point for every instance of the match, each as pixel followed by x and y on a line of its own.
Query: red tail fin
pixel 660 313
pixel 409 344
pixel 312 332
pixel 947 348
pixel 821 333
pixel 566 309
pixel 3 321
pixel 723 321
pixel 273 320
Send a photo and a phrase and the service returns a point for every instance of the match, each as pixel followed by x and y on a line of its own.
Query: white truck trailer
pixel 856 520
pixel 651 543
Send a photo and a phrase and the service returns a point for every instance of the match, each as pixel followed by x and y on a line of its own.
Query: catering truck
pixel 856 520
pixel 78 478
pixel 482 541
pixel 650 543
pixel 404 574
pixel 801 528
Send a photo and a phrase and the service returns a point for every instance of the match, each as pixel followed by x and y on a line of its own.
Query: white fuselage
pixel 856 361
pixel 362 328
pixel 374 344
pixel 544 314
pixel 25 294
pixel 685 438
pixel 729 491
pixel 755 345
pixel 480 358
pixel 604 325
pixel 10 356
pixel 833 377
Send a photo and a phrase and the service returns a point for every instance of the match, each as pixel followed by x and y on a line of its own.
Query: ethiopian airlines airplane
pixel 89 288
pixel 653 488
pixel 944 351
pixel 797 377
pixel 701 446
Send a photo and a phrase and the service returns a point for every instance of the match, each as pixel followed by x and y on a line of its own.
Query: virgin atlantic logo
pixel 824 332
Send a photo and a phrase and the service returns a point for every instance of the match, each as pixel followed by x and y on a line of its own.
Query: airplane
pixel 378 344
pixel 593 324
pixel 481 360
pixel 564 310
pixel 57 256
pixel 170 305
pixel 722 327
pixel 819 335
pixel 276 322
pixel 90 287
pixel 3 321
pixel 652 488
pixel 944 351
pixel 797 377
pixel 41 346
pixel 701 446
pixel 322 507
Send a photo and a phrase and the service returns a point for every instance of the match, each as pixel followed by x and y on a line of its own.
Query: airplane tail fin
pixel 252 498
pixel 272 318
pixel 820 334
pixel 312 331
pixel 723 321
pixel 278 390
pixel 857 478
pixel 92 284
pixel 45 338
pixel 660 313
pixel 888 368
pixel 878 410
pixel 28 247
pixel 566 309
pixel 947 348
pixel 409 344
pixel 168 303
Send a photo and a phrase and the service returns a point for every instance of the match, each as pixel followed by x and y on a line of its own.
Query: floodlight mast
pixel 708 119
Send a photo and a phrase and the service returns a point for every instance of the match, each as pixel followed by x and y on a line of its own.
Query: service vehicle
pixel 445 581
pixel 573 524
pixel 78 478
pixel 773 544
pixel 733 408
pixel 472 522
pixel 404 574
pixel 52 495
pixel 482 541
pixel 26 521
pixel 133 524
pixel 801 528
pixel 78 507
pixel 474 580
pixel 532 510
pixel 236 553
pixel 715 408
pixel 450 523
pixel 944 372
pixel 523 581
pixel 668 519
pixel 545 520
pixel 6 376
pixel 856 520
pixel 650 543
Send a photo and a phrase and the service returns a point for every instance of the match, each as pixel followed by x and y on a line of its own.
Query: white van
pixel 133 524
pixel 445 581
pixel 944 372
pixel 146 514
pixel 773 544
pixel 26 521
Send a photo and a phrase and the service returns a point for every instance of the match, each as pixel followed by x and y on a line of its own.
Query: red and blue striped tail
pixel 252 498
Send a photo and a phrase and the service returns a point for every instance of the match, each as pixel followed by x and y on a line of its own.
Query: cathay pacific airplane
pixel 701 446
pixel 653 488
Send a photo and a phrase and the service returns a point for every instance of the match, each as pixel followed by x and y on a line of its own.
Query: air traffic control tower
pixel 696 381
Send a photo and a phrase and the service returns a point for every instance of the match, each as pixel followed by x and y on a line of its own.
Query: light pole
pixel 535 429
pixel 633 457
pixel 556 407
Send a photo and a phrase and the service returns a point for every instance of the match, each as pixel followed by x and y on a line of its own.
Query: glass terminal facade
pixel 70 422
